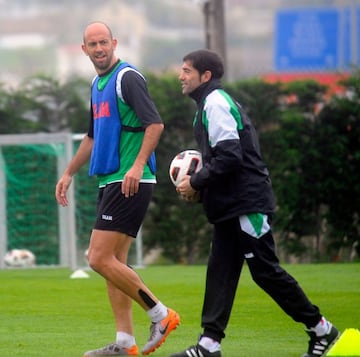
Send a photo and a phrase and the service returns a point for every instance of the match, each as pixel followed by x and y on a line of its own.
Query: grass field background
pixel 45 313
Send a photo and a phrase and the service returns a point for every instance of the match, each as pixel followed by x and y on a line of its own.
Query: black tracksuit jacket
pixel 234 179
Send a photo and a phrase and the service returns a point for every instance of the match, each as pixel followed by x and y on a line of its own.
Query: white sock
pixel 123 339
pixel 158 312
pixel 322 328
pixel 209 344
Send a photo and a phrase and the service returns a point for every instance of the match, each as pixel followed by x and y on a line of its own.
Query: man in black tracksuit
pixel 236 193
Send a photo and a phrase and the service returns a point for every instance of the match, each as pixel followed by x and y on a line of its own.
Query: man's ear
pixel 206 76
pixel 84 49
pixel 114 42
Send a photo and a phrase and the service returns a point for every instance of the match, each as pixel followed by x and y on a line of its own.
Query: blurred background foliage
pixel 310 140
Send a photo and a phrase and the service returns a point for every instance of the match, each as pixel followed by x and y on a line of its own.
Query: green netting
pixel 31 209
pixel 32 218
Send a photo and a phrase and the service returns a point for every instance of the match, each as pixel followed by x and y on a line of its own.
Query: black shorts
pixel 117 213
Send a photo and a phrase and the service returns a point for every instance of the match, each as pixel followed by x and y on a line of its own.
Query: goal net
pixel 30 218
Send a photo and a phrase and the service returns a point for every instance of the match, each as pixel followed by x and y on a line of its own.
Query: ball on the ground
pixel 19 258
pixel 186 162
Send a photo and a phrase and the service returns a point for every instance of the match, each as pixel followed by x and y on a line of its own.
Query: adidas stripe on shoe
pixel 319 345
pixel 197 351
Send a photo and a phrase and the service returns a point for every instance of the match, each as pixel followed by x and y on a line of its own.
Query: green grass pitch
pixel 44 313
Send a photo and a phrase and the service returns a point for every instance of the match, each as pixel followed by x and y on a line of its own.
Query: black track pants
pixel 230 247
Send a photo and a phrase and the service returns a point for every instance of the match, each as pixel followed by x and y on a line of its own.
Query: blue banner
pixel 316 39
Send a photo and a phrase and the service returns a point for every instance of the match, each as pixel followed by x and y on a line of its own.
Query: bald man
pixel 124 130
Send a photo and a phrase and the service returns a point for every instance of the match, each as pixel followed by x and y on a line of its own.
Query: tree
pixel 55 106
pixel 337 136
pixel 13 106
pixel 260 100
pixel 306 96
pixel 313 157
pixel 291 156
pixel 42 103
pixel 296 182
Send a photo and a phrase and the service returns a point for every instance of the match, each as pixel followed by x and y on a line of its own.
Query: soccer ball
pixel 19 258
pixel 185 163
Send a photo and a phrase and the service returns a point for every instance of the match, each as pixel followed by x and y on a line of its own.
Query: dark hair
pixel 206 60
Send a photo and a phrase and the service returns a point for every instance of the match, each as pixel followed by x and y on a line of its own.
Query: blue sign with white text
pixel 315 39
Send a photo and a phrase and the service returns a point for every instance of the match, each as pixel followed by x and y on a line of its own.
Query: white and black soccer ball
pixel 19 258
pixel 185 163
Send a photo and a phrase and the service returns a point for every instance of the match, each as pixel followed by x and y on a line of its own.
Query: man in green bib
pixel 125 128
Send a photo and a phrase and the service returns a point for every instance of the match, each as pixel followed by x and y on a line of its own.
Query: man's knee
pixel 97 261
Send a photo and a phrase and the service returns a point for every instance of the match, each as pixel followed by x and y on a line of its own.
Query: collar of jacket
pixel 200 93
